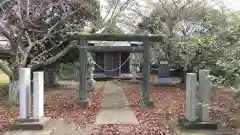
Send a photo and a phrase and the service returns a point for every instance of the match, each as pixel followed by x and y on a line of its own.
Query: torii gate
pixel 82 98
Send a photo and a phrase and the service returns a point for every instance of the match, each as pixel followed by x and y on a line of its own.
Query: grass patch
pixel 100 83
pixel 4 79
pixel 3 90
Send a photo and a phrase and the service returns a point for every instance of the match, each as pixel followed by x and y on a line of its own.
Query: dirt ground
pixel 60 104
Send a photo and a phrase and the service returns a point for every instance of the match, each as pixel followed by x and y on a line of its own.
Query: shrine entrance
pixel 83 39
pixel 112 62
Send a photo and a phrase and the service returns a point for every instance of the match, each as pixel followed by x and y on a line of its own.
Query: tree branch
pixel 53 43
pixel 27 8
pixel 60 21
pixel 26 53
pixel 5 33
pixel 39 11
pixel 5 1
pixel 170 16
pixel 105 22
pixel 46 51
pixel 175 4
pixel 4 67
pixel 20 14
pixel 181 8
pixel 115 8
pixel 53 59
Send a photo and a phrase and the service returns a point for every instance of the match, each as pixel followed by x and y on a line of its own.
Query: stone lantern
pixel 134 66
pixel 91 82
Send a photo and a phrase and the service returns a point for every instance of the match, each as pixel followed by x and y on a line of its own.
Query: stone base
pixel 234 123
pixel 91 85
pixel 164 82
pixel 30 124
pixel 165 85
pixel 134 81
pixel 83 103
pixel 146 103
pixel 197 125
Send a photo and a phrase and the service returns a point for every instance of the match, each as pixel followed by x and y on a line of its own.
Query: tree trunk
pixel 13 91
pixel 50 76
pixel 183 76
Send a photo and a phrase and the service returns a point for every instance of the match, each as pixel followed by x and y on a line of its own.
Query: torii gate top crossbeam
pixel 118 37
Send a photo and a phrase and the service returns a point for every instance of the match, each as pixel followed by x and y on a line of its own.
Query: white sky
pixel 144 6
pixel 233 4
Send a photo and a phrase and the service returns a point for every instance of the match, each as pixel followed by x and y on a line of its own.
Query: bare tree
pixel 35 30
pixel 111 12
pixel 174 18
pixel 178 21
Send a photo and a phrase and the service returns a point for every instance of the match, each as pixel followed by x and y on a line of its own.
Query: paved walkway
pixel 114 109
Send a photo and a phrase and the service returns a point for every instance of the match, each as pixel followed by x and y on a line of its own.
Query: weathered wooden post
pixel 204 95
pixel 24 88
pixel 38 95
pixel 91 82
pixel 82 98
pixel 145 98
pixel 191 87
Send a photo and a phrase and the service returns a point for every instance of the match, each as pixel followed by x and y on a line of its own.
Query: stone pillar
pixel 191 122
pixel 191 97
pixel 163 72
pixel 25 93
pixel 50 76
pixel 91 82
pixel 145 97
pixel 82 98
pixel 204 94
pixel 134 69
pixel 38 95
pixel 37 122
pixel 206 100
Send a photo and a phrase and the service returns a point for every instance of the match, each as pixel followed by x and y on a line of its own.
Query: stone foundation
pixel 31 124
pixel 91 85
pixel 83 103
pixel 197 125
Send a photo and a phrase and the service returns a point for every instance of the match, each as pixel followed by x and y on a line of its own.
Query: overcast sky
pixel 233 4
